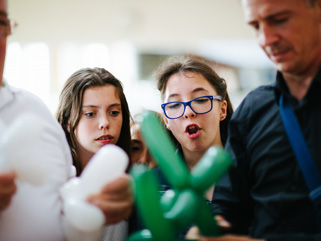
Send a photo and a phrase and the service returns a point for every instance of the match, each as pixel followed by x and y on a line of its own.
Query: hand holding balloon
pixel 107 164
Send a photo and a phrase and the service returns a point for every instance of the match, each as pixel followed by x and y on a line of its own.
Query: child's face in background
pixel 139 151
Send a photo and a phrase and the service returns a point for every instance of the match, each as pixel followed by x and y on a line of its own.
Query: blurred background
pixel 130 38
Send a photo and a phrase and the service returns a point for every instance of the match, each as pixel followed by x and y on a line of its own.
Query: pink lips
pixel 192 131
pixel 105 139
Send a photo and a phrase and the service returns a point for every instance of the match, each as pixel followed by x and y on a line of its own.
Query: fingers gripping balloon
pixel 17 144
pixel 184 205
pixel 106 165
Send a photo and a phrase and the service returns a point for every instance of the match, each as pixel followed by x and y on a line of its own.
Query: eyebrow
pixel 272 16
pixel 3 13
pixel 96 106
pixel 194 91
pixel 136 141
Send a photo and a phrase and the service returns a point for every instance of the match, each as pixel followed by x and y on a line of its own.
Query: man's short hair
pixel 311 2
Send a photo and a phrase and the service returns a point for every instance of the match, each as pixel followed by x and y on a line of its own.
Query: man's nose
pixel 267 36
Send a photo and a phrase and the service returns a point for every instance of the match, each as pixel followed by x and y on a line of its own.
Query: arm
pixel 231 197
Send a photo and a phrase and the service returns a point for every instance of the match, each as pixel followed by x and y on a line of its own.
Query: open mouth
pixel 192 129
pixel 104 138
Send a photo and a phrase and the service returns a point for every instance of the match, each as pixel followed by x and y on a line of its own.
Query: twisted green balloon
pixel 164 217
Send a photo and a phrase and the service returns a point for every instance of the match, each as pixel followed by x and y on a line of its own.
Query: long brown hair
pixel 70 106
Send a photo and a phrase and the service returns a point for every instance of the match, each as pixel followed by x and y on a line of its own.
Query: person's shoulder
pixel 25 102
pixel 259 96
pixel 255 100
pixel 26 96
pixel 30 102
pixel 261 92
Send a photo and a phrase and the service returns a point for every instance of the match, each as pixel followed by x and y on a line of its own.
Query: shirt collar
pixel 6 95
pixel 282 87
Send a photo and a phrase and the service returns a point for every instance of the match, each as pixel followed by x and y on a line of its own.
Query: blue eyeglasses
pixel 200 105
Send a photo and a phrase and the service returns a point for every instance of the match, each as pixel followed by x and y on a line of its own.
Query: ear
pixel 223 111
pixel 166 122
pixel 68 128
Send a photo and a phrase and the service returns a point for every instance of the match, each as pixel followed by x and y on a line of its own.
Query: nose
pixel 145 157
pixel 103 123
pixel 267 36
pixel 189 113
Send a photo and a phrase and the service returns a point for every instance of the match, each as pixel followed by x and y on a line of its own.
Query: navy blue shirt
pixel 264 194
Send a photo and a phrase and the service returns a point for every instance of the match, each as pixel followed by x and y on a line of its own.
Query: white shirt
pixel 35 211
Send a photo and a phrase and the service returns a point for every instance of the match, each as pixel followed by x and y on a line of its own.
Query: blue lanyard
pixel 310 171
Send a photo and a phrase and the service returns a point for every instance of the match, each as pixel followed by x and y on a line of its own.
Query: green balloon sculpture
pixel 184 204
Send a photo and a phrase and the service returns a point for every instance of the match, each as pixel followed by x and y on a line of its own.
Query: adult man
pixel 7 184
pixel 35 212
pixel 264 194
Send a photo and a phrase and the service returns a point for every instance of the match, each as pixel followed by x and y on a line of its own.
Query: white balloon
pixel 82 215
pixel 105 166
pixel 71 189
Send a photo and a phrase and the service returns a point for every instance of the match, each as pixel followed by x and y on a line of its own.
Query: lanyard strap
pixel 310 171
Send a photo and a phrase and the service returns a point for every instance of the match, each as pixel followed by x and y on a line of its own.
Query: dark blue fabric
pixel 311 174
pixel 264 193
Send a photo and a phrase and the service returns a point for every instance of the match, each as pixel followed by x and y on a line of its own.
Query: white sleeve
pixel 35 213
